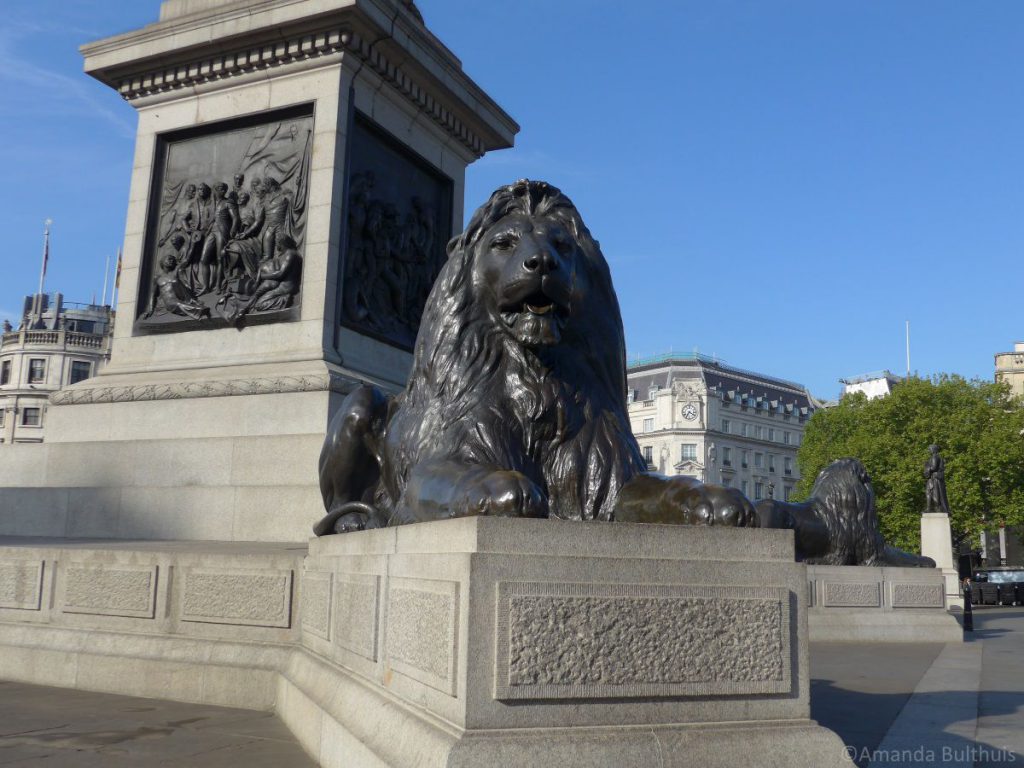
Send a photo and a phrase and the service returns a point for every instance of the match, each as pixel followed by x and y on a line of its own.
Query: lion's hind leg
pixel 349 469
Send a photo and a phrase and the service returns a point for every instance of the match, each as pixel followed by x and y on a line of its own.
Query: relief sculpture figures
pixel 398 221
pixel 516 404
pixel 230 226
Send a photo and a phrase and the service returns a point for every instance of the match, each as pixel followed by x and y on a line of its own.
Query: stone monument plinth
pixel 937 543
pixel 872 604
pixel 543 642
pixel 469 642
pixel 299 167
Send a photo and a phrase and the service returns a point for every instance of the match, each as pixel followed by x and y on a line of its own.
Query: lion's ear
pixel 454 245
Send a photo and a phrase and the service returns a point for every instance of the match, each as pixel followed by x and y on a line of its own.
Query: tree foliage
pixel 978 426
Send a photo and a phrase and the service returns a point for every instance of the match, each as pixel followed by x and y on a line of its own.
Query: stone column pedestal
pixel 937 543
pixel 492 641
pixel 339 126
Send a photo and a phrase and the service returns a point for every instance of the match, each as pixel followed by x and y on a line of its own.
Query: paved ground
pixel 62 728
pixel 959 705
pixel 858 689
pixel 964 703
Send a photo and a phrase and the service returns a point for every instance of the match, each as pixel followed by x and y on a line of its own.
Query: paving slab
pixel 859 689
pixel 79 729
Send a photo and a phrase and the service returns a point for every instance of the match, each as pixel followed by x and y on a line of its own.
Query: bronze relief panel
pixel 398 223
pixel 226 231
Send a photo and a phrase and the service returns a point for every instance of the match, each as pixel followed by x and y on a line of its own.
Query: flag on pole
pixel 117 276
pixel 46 250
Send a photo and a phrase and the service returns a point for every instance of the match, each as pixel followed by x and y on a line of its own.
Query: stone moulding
pixel 110 591
pixel 422 631
pixel 916 595
pixel 356 613
pixel 21 584
pixel 298 48
pixel 316 603
pixel 242 598
pixel 843 594
pixel 270 385
pixel 732 641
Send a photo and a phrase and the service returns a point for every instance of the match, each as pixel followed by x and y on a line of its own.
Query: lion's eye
pixel 563 246
pixel 503 242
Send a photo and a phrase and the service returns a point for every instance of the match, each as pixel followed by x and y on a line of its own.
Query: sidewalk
pixel 956 705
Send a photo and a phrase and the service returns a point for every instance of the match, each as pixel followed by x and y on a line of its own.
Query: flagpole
pixel 117 281
pixel 106 275
pixel 42 272
pixel 908 349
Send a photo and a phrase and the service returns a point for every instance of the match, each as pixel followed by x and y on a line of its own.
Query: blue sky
pixel 782 184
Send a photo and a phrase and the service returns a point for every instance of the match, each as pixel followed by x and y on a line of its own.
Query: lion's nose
pixel 542 261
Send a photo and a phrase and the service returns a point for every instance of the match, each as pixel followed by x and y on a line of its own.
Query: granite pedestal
pixel 937 543
pixel 879 605
pixel 458 643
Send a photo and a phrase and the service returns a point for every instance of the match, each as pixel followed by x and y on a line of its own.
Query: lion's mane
pixel 844 500
pixel 555 413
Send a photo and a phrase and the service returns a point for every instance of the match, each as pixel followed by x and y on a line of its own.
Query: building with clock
pixel 694 415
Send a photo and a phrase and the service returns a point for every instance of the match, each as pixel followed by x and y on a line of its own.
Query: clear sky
pixel 781 183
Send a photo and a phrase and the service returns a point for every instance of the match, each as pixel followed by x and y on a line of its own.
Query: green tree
pixel 977 424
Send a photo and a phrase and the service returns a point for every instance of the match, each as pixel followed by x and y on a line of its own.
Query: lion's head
pixel 844 488
pixel 525 275
pixel 845 501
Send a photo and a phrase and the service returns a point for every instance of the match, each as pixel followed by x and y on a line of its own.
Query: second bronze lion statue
pixel 838 524
pixel 516 403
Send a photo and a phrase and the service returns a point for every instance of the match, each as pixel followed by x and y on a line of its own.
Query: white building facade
pixel 696 416
pixel 57 344
pixel 876 384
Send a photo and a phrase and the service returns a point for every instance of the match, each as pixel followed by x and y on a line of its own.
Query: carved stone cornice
pixel 188 389
pixel 298 49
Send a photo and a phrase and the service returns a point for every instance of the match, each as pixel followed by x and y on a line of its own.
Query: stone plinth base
pixel 879 605
pixel 213 455
pixel 461 643
pixel 207 622
pixel 537 642
pixel 937 543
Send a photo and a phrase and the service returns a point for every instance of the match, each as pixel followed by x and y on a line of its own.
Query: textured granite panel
pixel 120 590
pixel 316 604
pixel 840 594
pixel 357 613
pixel 571 641
pixel 909 595
pixel 249 598
pixel 422 629
pixel 21 584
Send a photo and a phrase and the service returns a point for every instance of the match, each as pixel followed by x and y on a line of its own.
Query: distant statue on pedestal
pixel 935 482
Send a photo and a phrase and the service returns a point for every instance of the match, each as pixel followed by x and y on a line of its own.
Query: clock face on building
pixel 690 412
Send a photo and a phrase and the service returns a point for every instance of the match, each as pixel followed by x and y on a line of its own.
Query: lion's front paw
pixel 502 493
pixel 682 500
pixel 718 505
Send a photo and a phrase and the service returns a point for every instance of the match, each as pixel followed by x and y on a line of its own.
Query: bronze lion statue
pixel 838 524
pixel 516 403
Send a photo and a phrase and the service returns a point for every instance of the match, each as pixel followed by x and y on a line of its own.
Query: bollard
pixel 968 608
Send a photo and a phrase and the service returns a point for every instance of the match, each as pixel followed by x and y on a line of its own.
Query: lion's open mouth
pixel 536 319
